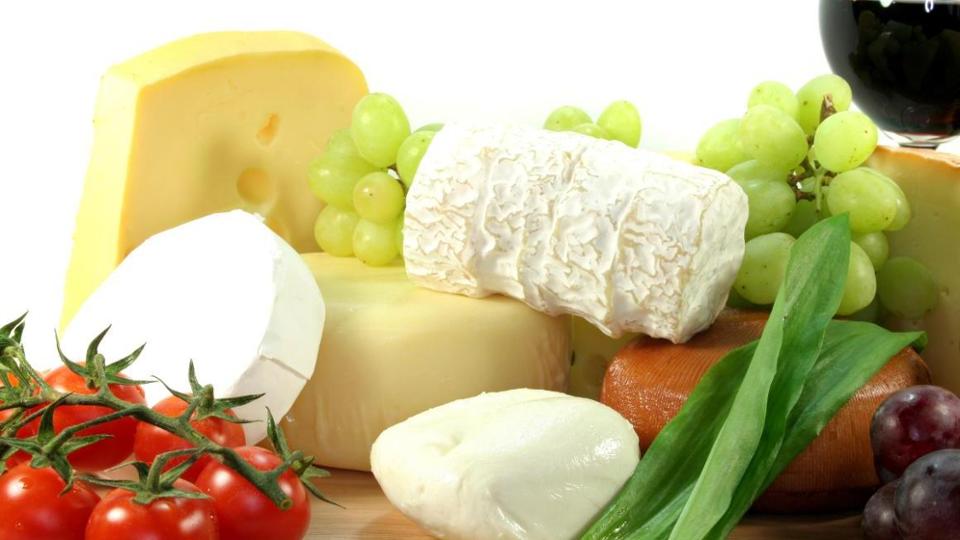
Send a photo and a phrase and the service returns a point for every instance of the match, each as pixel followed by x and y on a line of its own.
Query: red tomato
pixel 108 452
pixel 246 514
pixel 151 441
pixel 32 508
pixel 118 517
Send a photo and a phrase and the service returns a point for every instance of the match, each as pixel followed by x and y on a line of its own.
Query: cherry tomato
pixel 246 514
pixel 32 507
pixel 150 441
pixel 118 517
pixel 108 452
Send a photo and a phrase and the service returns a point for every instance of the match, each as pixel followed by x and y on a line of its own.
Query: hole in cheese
pixel 268 132
pixel 255 186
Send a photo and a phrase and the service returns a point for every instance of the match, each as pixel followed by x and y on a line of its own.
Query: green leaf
pixel 829 386
pixel 786 352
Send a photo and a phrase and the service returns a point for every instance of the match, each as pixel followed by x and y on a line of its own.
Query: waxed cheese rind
pixel 391 350
pixel 180 127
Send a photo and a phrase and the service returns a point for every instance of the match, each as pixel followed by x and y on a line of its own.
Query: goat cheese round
pixel 223 291
pixel 391 350
pixel 519 464
pixel 629 240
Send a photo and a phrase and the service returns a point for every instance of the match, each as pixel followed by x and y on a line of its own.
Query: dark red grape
pixel 912 423
pixel 879 516
pixel 927 501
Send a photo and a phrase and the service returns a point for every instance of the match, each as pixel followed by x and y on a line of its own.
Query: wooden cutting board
pixel 369 515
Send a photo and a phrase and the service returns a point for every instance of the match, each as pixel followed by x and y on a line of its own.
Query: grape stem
pixel 33 392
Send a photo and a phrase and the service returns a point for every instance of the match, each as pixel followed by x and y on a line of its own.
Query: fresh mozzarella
pixel 629 240
pixel 223 291
pixel 520 464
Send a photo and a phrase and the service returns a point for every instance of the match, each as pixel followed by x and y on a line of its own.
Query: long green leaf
pixel 702 454
pixel 785 354
pixel 662 481
pixel 830 384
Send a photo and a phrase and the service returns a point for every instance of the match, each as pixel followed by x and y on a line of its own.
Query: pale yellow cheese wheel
pixel 391 350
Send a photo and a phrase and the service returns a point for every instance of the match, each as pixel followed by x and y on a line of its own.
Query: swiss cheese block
pixel 391 350
pixel 931 182
pixel 205 124
pixel 223 291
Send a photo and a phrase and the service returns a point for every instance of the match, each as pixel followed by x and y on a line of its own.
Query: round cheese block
pixel 391 350
pixel 649 380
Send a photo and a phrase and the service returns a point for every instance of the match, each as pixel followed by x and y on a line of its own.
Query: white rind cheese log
pixel 629 240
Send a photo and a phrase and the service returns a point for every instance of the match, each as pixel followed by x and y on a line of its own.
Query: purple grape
pixel 927 501
pixel 879 516
pixel 912 423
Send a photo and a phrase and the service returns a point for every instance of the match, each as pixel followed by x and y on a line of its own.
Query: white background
pixel 686 64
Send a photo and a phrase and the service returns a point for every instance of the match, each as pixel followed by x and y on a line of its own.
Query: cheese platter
pixel 290 313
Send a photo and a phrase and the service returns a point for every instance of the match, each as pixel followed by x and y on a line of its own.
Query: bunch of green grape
pixel 800 157
pixel 620 121
pixel 363 177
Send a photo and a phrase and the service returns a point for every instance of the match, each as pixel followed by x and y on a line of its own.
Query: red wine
pixel 902 61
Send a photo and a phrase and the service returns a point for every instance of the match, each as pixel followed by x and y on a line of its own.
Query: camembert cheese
pixel 224 291
pixel 391 350
pixel 202 125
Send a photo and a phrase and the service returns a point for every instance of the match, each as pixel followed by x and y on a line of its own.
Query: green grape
pixel 875 245
pixel 771 206
pixel 861 284
pixel 379 126
pixel 845 140
pixel 410 154
pixel 398 236
pixel 735 301
pixel 812 94
pixel 341 144
pixel 375 244
pixel 804 216
pixel 436 126
pixel 871 203
pixel 591 130
pixel 378 197
pixel 622 122
pixel 770 136
pixel 566 118
pixel 719 148
pixel 907 288
pixel 775 94
pixel 903 205
pixel 333 231
pixel 332 178
pixel 755 170
pixel 764 265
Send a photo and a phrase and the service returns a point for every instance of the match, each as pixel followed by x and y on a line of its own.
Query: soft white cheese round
pixel 391 350
pixel 522 464
pixel 222 290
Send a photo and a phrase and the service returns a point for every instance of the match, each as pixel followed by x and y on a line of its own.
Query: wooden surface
pixel 368 514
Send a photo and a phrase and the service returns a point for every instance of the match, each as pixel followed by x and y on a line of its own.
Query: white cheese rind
pixel 223 290
pixel 520 464
pixel 629 240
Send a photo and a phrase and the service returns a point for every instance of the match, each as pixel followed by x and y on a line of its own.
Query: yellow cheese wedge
pixel 202 125
pixel 391 350
pixel 931 182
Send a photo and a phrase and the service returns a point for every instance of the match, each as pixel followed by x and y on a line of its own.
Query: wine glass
pixel 902 59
